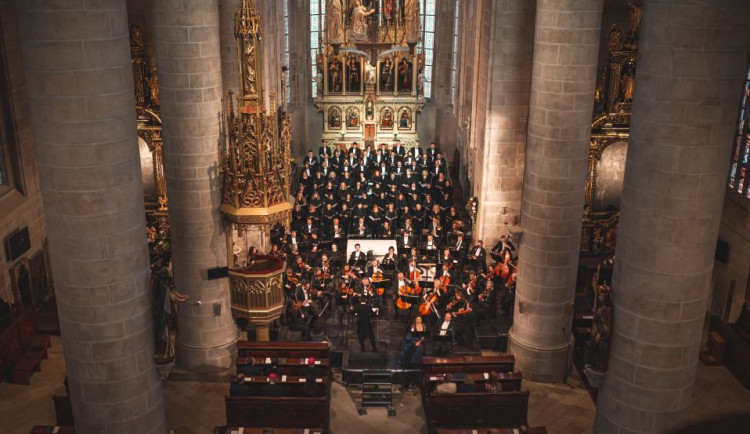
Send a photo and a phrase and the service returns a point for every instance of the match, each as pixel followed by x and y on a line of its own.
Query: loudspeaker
pixel 17 244
pixel 722 251
pixel 218 273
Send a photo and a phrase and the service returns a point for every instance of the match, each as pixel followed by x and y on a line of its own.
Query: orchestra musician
pixel 479 254
pixel 503 250
pixel 357 258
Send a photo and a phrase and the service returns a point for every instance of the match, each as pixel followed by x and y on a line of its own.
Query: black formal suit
pixel 312 161
pixel 364 315
pixel 400 150
pixel 357 256
pixel 481 256
pixel 325 150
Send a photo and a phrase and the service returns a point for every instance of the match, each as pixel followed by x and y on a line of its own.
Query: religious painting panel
pixel 352 118
pixel 386 118
pixel 405 75
pixel 335 76
pixel 386 75
pixel 353 74
pixel 404 118
pixel 334 118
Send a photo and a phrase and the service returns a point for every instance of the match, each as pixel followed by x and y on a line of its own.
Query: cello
pixel 426 307
pixel 415 276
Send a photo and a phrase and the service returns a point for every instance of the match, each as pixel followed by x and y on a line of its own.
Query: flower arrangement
pixel 472 207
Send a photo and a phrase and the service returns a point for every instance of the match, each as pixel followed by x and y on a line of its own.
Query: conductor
pixel 364 315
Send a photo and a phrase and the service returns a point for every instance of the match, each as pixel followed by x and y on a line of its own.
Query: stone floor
pixel 198 407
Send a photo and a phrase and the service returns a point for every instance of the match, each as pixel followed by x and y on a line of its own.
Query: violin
pixel 445 280
pixel 292 279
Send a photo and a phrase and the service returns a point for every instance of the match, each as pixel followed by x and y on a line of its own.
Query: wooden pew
pixel 493 430
pixel 250 430
pixel 296 366
pixel 43 429
pixel 510 381
pixel 463 410
pixel 278 411
pixel 289 350
pixel 468 364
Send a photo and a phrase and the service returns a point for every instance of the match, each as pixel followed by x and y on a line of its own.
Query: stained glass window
pixel 427 9
pixel 317 27
pixel 454 61
pixel 286 52
pixel 738 179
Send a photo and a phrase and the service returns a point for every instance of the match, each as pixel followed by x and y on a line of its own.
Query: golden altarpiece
pixel 610 131
pixel 146 86
pixel 370 74
pixel 255 164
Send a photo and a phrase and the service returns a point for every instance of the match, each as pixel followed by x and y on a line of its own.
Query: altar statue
pixel 334 22
pixel 359 21
pixel 370 74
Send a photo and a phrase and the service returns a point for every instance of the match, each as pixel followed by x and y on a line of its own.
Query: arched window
pixel 738 172
pixel 317 27
pixel 454 60
pixel 287 90
pixel 427 9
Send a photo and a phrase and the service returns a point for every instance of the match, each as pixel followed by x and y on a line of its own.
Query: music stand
pixel 439 341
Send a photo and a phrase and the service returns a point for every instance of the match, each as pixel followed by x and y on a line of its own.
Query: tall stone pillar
pixel 692 57
pixel 187 51
pixel 509 83
pixel 566 44
pixel 77 62
pixel 230 69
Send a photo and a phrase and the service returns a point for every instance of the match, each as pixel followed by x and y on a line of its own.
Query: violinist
pixel 300 268
pixel 487 301
pixel 305 297
pixel 318 281
pixel 462 312
pixel 290 282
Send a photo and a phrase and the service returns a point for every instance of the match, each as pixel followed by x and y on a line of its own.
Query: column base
pixel 213 360
pixel 540 364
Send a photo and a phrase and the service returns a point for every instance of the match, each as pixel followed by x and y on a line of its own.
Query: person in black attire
pixel 479 254
pixel 364 315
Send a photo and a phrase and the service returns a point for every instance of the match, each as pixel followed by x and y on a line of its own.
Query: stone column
pixel 230 70
pixel 566 44
pixel 187 51
pixel 508 87
pixel 691 61
pixel 80 84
